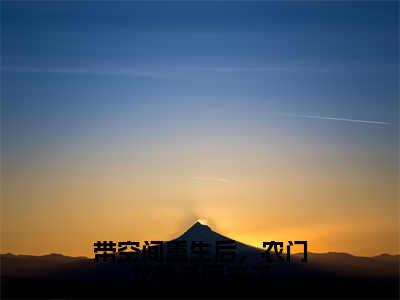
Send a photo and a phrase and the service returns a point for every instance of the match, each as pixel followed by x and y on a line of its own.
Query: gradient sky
pixel 130 120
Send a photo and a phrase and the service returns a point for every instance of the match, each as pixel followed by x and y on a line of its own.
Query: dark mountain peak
pixel 201 232
pixel 199 226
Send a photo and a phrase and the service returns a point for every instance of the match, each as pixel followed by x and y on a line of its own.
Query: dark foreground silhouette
pixel 328 275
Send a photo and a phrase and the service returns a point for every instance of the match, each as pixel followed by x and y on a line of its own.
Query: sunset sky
pixel 130 120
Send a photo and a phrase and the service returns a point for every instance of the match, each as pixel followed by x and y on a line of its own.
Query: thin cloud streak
pixel 158 72
pixel 83 71
pixel 212 179
pixel 337 119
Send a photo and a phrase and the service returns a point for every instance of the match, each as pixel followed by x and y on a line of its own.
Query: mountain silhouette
pixel 204 233
pixel 201 232
pixel 325 275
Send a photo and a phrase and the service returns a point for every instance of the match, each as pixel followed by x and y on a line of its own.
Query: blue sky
pixel 69 68
pixel 315 58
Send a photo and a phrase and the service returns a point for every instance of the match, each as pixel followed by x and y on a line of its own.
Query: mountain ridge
pixel 56 275
pixel 202 232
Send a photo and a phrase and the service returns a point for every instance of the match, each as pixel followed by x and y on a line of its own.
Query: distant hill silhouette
pixel 325 275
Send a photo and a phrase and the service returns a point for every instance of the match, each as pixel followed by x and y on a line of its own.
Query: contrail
pixel 337 119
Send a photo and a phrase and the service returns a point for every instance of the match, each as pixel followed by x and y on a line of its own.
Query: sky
pixel 130 120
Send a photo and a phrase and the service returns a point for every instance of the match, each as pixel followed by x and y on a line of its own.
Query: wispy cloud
pixel 172 71
pixel 83 71
pixel 213 179
pixel 157 72
pixel 336 119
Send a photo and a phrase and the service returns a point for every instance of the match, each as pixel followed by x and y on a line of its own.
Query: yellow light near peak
pixel 202 221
